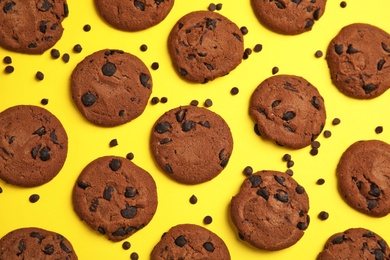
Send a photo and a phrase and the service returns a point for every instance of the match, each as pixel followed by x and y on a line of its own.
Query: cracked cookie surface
pixel 31 26
pixel 359 61
pixel 204 45
pixel 363 175
pixel 288 110
pixel 111 87
pixel 33 145
pixel 115 197
pixel 189 241
pixel 191 144
pixel 270 211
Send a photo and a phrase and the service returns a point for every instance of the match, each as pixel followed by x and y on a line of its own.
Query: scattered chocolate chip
pixel 154 100
pixel 244 30
pixel 34 198
pixel 234 91
pixel 290 172
pixel 212 7
pixel 315 144
pixel 275 70
pixel 44 101
pixel 164 100
pixel 155 66
pixel 143 47
pixel 323 215
pixel 343 4
pixel 113 143
pixel 194 103
pixel 87 28
pixel 314 151
pixel 258 47
pixel 207 220
pixel 77 48
pixel 290 164
pixel 55 54
pixel 130 156
pixel 9 69
pixel 39 75
pixel 1 190
pixel 193 199
pixel 126 245
pixel 286 157
pixel 248 51
pixel 208 103
pixel 320 181
pixel 7 60
pixel 327 133
pixel 65 57
pixel 219 7
pixel 318 54
pixel 134 256
pixel 379 129
pixel 336 121
pixel 248 171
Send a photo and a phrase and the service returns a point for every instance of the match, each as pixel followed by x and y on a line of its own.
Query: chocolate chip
pixel 82 185
pixel 21 247
pixel 180 115
pixel 286 157
pixel 130 192
pixel 338 48
pixel 323 215
pixel 113 143
pixel 155 66
pixel 101 230
pixel 87 28
pixel 369 88
pixel 280 4
pixel 180 241
pixel 315 144
pixel 183 72
pixel 107 193
pixel 143 47
pixel 8 6
pixel 371 204
pixel 234 91
pixel 34 198
pixel 318 54
pixel 320 181
pixel 380 64
pixel 115 164
pixel 194 103
pixel 315 102
pixel 66 57
pixel 309 23
pixel 255 181
pixel 88 99
pixel 144 79
pixel 374 190
pixel 139 5
pixel 282 196
pixel 40 131
pixel 39 75
pixel 248 171
pixel 379 129
pixel 7 60
pixel 316 14
pixel 193 199
pixel 290 172
pixel 280 179
pixel 77 48
pixel 301 226
pixel 212 7
pixel 55 54
pixel 208 103
pixel 38 236
pixel 48 249
pixel 44 154
pixel 219 7
pixel 154 100
pixel 275 70
pixel 327 133
pixel 134 256
pixel 163 127
pixel 275 103
pixel 168 168
pixel 1 190
pixel 338 240
pixel 126 245
pixel 130 156
pixel 343 4
pixel 288 116
pixel 205 124
pixel 188 125
pixel 129 212
pixel 351 50
pixel 263 193
pixel 208 246
pixel 9 69
pixel 314 151
pixel 207 220
pixel 336 121
pixel 165 141
pixel 244 30
pixel 258 47
pixel 108 69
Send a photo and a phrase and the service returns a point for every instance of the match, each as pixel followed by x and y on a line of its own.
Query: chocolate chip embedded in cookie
pixel 189 241
pixel 288 110
pixel 204 45
pixel 289 17
pixel 35 243
pixel 134 15
pixel 191 144
pixel 111 87
pixel 271 210
pixel 355 243
pixel 364 178
pixel 115 197
pixel 358 58
pixel 33 145
pixel 31 26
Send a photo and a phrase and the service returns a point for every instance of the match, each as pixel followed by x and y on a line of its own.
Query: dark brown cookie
pixel 355 243
pixel 288 110
pixel 115 197
pixel 35 243
pixel 31 26
pixel 33 145
pixel 189 241
pixel 364 178
pixel 271 210
pixel 111 87
pixel 359 61
pixel 191 144
pixel 134 15
pixel 204 45
pixel 289 17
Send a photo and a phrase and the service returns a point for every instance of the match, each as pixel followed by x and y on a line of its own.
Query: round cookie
pixel 355 243
pixel 33 145
pixel 189 241
pixel 363 177
pixel 358 59
pixel 134 15
pixel 288 110
pixel 115 197
pixel 191 144
pixel 111 87
pixel 289 17
pixel 270 211
pixel 35 243
pixel 204 45
pixel 31 26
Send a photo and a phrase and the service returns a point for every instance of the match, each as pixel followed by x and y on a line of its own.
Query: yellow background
pixel 291 54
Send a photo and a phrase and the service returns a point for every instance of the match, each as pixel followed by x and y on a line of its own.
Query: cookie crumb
pixel 318 54
pixel 323 215
pixel 39 75
pixel 143 47
pixel 234 91
pixel 320 181
pixel 55 54
pixel 34 198
pixel 207 220
pixel 9 69
pixel 44 101
pixel 130 156
pixel 327 133
pixel 113 142
pixel 77 48
pixel 7 60
pixel 194 103
pixel 248 171
pixel 193 199
pixel 87 28
pixel 275 70
pixel 258 47
pixel 126 245
pixel 343 4
pixel 379 129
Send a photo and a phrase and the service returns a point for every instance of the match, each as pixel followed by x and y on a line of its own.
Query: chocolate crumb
pixel 130 156
pixel 55 54
pixel 44 101
pixel 323 215
pixel 7 60
pixel 39 75
pixel 320 181
pixel 126 245
pixel 9 69
pixel 379 129
pixel 248 171
pixel 34 198
pixel 113 142
pixel 207 220
pixel 234 91
pixel 143 47
pixel 193 199
pixel 87 28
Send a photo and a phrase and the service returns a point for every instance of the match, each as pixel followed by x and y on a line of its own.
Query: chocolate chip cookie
pixel 115 197
pixel 189 241
pixel 31 26
pixel 289 17
pixel 191 144
pixel 35 243
pixel 134 15
pixel 111 87
pixel 271 210
pixel 364 178
pixel 33 145
pixel 359 61
pixel 288 110
pixel 204 45
pixel 355 243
